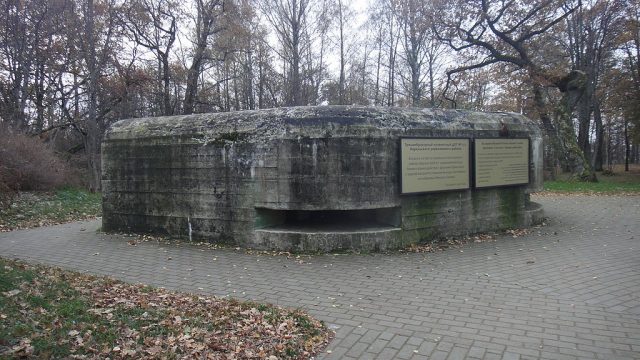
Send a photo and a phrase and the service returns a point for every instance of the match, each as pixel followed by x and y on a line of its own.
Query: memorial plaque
pixel 501 162
pixel 434 164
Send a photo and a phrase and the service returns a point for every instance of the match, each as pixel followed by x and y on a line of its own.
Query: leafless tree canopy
pixel 75 67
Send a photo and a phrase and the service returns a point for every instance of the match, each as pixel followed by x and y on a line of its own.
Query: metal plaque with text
pixel 434 164
pixel 501 162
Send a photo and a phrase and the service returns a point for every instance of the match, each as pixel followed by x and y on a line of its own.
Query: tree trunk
pixel 573 88
pixel 294 96
pixel 206 16
pixel 261 79
pixel 193 73
pixel 379 64
pixel 627 146
pixel 392 68
pixel 413 58
pixel 92 139
pixel 342 77
pixel 599 143
pixel 40 93
pixel 251 104
pixel 363 91
pixel 236 88
pixel 415 79
pixel 584 120
pixel 562 137
pixel 166 86
pixel 432 92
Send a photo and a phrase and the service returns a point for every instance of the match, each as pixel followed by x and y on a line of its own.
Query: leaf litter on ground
pixel 48 312
pixel 135 239
pixel 459 242
pixel 305 258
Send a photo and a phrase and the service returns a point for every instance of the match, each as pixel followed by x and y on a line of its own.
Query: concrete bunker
pixel 308 178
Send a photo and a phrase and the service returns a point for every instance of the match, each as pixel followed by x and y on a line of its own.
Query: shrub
pixel 26 163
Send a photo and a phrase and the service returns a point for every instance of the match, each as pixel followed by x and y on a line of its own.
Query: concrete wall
pixel 308 179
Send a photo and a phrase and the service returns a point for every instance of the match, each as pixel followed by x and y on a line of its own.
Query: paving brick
pixel 406 352
pixel 444 346
pixel 367 356
pixel 349 341
pixel 439 355
pixel 377 346
pixel 397 342
pixel 387 353
pixel 476 352
pixel 386 335
pixel 493 356
pixel 457 353
pixel 336 353
pixel 426 348
pixel 510 356
pixel 532 352
pixel 356 350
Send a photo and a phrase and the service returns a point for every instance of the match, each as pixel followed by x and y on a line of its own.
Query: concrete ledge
pixel 374 239
pixel 533 214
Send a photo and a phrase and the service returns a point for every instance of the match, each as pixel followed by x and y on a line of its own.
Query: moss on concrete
pixel 511 206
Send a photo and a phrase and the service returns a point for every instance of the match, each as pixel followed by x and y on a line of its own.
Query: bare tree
pixel 628 94
pixel 289 20
pixel 561 60
pixel 153 25
pixel 511 32
pixel 22 29
pixel 96 48
pixel 377 30
pixel 344 13
pixel 208 16
pixel 591 33
pixel 392 45
pixel 412 17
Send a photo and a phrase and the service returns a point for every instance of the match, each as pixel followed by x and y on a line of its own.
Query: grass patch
pixel 603 185
pixel 50 313
pixel 613 182
pixel 32 209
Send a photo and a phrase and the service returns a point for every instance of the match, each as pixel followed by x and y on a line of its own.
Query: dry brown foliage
pixel 26 163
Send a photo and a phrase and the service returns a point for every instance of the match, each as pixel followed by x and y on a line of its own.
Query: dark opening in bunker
pixel 328 220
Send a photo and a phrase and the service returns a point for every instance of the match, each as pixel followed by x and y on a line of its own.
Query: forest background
pixel 70 68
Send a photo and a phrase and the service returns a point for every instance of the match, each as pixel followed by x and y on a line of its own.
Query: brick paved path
pixel 568 290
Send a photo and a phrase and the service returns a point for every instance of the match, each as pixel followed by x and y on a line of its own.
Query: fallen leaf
pixel 11 293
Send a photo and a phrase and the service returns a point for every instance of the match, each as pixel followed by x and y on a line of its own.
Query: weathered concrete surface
pixel 226 177
pixel 569 290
